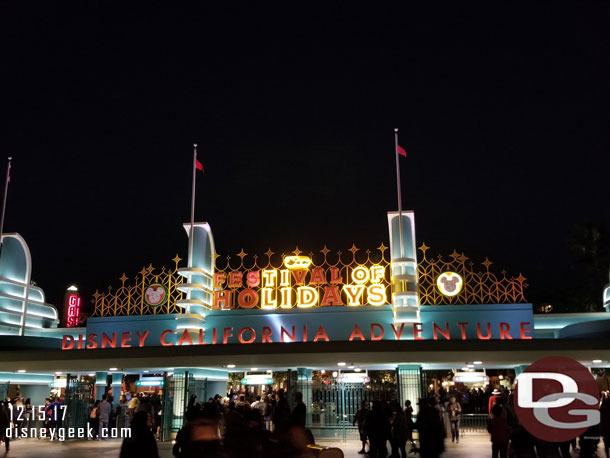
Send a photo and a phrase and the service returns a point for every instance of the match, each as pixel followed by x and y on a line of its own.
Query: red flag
pixel 199 165
pixel 402 151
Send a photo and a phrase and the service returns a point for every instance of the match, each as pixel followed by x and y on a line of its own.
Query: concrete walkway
pixel 474 446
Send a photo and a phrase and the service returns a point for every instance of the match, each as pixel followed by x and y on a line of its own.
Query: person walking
pixel 454 409
pixel 400 432
pixel 19 414
pixel 409 414
pixel 94 420
pixel 500 434
pixel 431 431
pixel 5 424
pixel 378 430
pixel 604 425
pixel 359 419
pixel 105 409
pixel 299 413
pixel 281 413
pixel 142 441
pixel 496 396
pixel 28 414
pixel 132 407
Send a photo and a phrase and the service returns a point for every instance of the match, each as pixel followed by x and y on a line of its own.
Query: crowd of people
pixel 266 426
pixel 17 416
pixel 509 438
pixel 104 414
pixel 227 428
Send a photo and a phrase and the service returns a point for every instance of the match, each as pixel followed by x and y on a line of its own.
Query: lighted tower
pixel 199 275
pixel 403 257
pixel 23 310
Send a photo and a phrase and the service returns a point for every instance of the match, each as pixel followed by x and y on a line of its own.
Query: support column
pixel 100 385
pixel 409 384
pixel 117 383
pixel 304 386
pixel 520 369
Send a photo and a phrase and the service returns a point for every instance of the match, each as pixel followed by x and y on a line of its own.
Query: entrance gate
pixel 197 387
pixel 78 401
pixel 175 398
pixel 334 407
pixel 4 390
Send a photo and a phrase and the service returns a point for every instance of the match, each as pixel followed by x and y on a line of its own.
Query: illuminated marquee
pixel 300 283
pixel 73 317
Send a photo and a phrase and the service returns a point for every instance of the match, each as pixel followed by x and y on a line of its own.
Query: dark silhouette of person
pixel 281 413
pixel 5 424
pixel 377 424
pixel 299 413
pixel 359 419
pixel 400 432
pixel 142 441
pixel 498 428
pixel 431 431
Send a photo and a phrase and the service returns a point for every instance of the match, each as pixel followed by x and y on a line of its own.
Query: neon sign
pixel 73 316
pixel 265 334
pixel 298 286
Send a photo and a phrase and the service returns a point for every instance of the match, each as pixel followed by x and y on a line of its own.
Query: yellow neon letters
pixel 306 296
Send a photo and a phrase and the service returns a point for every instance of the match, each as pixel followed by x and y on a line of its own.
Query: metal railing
pixel 473 423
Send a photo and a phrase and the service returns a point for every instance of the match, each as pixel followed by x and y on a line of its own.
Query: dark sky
pixel 502 108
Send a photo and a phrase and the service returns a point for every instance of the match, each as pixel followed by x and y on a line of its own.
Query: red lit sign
pixel 73 311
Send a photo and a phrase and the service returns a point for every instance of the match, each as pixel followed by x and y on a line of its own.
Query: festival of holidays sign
pixel 243 327
pixel 300 284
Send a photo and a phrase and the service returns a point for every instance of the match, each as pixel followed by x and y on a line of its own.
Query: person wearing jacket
pixel 400 432
pixel 5 423
pixel 454 409
pixel 500 434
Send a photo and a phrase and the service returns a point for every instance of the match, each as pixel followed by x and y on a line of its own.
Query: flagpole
pixel 192 234
pixel 8 179
pixel 398 191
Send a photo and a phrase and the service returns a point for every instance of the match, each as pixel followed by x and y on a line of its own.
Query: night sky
pixel 503 108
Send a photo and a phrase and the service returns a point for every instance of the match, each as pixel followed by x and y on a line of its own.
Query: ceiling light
pixel 254 369
pixel 145 371
pixel 597 361
pixel 477 362
pixel 357 369
pixel 58 373
pixel 340 364
pixel 91 375
pixel 21 371
pixel 113 369
pixel 230 366
pixel 350 367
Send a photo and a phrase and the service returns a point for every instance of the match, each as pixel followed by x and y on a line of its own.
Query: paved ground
pixel 470 447
pixel 474 446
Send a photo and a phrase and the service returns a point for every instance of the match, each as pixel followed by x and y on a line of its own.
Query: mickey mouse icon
pixel 449 283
